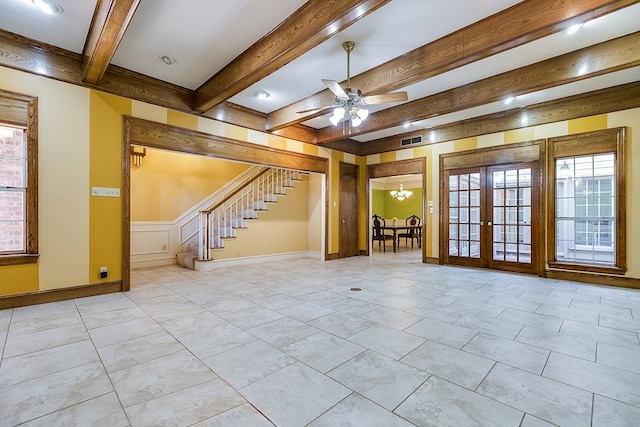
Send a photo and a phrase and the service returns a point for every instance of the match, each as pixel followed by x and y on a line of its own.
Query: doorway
pixel 395 170
pixel 491 213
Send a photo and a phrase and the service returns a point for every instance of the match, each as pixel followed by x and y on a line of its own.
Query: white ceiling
pixel 205 35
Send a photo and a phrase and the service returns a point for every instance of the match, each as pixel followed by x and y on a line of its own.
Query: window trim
pixel 22 111
pixel 589 143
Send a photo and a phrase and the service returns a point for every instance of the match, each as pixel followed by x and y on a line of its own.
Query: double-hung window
pixel 588 179
pixel 18 179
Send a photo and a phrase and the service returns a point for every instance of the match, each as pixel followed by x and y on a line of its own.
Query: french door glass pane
pixel 464 215
pixel 453 198
pixel 453 182
pixel 474 181
pixel 464 248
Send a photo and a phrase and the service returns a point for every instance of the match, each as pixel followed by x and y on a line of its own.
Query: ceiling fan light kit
pixel 349 102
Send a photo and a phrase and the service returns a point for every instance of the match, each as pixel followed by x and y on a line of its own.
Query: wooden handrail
pixel 234 192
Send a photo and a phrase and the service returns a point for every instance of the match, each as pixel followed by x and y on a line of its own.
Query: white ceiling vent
pixel 410 141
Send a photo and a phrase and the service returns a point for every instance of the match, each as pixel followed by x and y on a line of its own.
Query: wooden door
pixel 348 210
pixel 490 217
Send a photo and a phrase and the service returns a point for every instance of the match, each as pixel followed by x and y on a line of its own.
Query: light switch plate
pixel 430 203
pixel 105 192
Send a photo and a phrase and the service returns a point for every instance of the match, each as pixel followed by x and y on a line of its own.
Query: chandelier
pixel 402 194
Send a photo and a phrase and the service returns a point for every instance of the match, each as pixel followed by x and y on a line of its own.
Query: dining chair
pixel 412 233
pixel 378 232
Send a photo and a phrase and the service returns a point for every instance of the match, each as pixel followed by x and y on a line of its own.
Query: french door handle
pixel 481 222
pixel 489 223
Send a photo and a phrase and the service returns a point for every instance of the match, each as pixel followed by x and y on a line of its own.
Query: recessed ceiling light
pixel 167 59
pixel 49 7
pixel 261 94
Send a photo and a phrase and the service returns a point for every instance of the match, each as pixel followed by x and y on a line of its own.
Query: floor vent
pixel 410 141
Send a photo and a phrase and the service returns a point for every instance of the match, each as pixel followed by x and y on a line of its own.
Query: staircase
pixel 234 212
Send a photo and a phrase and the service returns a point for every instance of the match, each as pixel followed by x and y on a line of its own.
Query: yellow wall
pixel 283 228
pixel 80 147
pixel 63 183
pixel 170 183
pixel 628 118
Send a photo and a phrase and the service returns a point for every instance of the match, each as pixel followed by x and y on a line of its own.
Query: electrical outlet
pixel 103 272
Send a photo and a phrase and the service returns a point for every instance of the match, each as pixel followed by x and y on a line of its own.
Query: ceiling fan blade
pixel 387 97
pixel 336 89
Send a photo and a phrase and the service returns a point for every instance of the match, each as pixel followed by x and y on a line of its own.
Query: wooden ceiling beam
pixel 601 101
pixel 34 57
pixel 312 24
pixel 108 25
pixel 38 58
pixel 520 24
pixel 606 57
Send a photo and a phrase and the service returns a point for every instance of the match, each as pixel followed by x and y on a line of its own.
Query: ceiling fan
pixel 350 101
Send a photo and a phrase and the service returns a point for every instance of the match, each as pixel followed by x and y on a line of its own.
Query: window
pixel 13 189
pixel 589 228
pixel 18 179
pixel 585 206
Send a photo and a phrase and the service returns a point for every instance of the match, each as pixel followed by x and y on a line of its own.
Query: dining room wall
pixel 388 207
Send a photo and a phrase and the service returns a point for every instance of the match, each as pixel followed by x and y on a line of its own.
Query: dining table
pixel 400 227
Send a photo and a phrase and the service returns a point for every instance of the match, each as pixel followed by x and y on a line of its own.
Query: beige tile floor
pixel 290 344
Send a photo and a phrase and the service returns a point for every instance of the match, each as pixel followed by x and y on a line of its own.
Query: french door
pixel 491 217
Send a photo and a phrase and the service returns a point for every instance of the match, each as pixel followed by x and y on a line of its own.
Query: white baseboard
pixel 218 263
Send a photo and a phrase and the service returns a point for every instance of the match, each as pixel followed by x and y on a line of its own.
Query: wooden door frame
pixel 163 136
pixel 522 152
pixel 400 167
